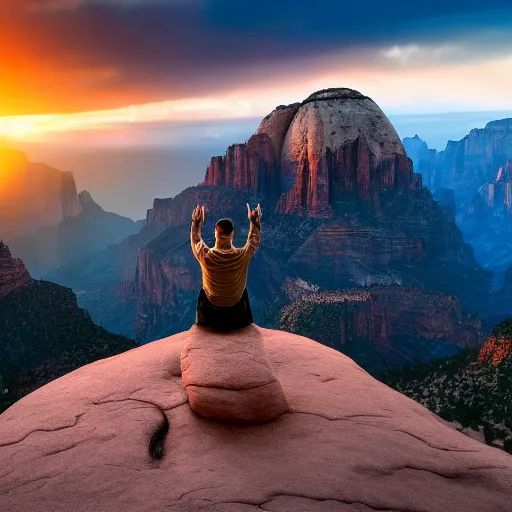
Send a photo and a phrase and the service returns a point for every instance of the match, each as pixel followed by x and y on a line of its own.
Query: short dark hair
pixel 226 226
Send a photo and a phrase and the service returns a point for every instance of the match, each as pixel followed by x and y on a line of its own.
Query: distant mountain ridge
pixel 477 171
pixel 74 238
pixel 33 195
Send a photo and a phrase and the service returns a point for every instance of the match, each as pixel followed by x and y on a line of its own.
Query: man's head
pixel 224 229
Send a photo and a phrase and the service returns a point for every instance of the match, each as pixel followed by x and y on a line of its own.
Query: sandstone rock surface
pixel 119 435
pixel 13 273
pixel 229 377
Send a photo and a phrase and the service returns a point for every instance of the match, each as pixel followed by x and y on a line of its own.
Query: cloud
pixel 63 5
pixel 77 55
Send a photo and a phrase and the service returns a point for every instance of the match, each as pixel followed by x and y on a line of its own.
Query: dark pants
pixel 220 318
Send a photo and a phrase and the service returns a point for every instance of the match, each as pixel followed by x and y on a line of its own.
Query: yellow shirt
pixel 224 270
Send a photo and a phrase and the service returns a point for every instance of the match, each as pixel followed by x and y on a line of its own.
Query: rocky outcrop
pixel 425 161
pixel 218 201
pixel 252 166
pixel 465 164
pixel 336 144
pixel 113 434
pixel 498 346
pixel 33 194
pixel 474 160
pixel 382 327
pixel 73 239
pixel 276 125
pixel 13 273
pixel 228 376
pixel 340 144
pixel 478 172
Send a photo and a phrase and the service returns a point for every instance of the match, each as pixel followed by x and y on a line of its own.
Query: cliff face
pixel 340 144
pixel 425 161
pixel 498 346
pixel 33 195
pixel 382 327
pixel 252 166
pixel 13 274
pixel 465 164
pixel 342 209
pixel 475 159
pixel 478 172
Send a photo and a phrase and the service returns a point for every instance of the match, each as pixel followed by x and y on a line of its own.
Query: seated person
pixel 223 302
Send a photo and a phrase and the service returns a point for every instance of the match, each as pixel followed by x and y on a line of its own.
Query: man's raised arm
pixel 199 247
pixel 254 236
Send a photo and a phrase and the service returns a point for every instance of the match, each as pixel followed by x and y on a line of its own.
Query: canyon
pixel 342 210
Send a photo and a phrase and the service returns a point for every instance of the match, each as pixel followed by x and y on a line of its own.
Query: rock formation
pixel 382 327
pixel 498 346
pixel 477 171
pixel 340 144
pixel 33 194
pixel 465 164
pixel 228 376
pixel 119 435
pixel 73 239
pixel 425 161
pixel 347 214
pixel 13 274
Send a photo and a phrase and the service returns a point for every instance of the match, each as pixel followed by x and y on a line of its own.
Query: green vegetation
pixel 44 335
pixel 459 389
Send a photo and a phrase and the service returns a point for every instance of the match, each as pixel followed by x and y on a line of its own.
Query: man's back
pixel 224 270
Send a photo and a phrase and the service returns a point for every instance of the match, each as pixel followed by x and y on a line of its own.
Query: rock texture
pixel 252 166
pixel 119 435
pixel 340 143
pixel 498 346
pixel 13 273
pixel 33 194
pixel 229 377
pixel 382 327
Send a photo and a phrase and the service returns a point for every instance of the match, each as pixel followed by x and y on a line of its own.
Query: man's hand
pixel 255 215
pixel 198 216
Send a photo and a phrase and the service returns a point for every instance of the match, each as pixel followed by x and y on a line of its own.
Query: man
pixel 223 302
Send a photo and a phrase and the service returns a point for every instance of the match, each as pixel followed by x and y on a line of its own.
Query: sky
pixel 135 96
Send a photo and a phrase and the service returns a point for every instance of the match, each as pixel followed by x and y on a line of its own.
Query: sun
pixel 17 127
pixel 11 163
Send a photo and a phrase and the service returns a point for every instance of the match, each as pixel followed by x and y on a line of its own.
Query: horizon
pixel 173 163
pixel 137 111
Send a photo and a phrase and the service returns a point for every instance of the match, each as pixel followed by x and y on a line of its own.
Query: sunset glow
pixel 470 86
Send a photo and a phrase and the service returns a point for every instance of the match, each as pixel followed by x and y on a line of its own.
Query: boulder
pixel 229 377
